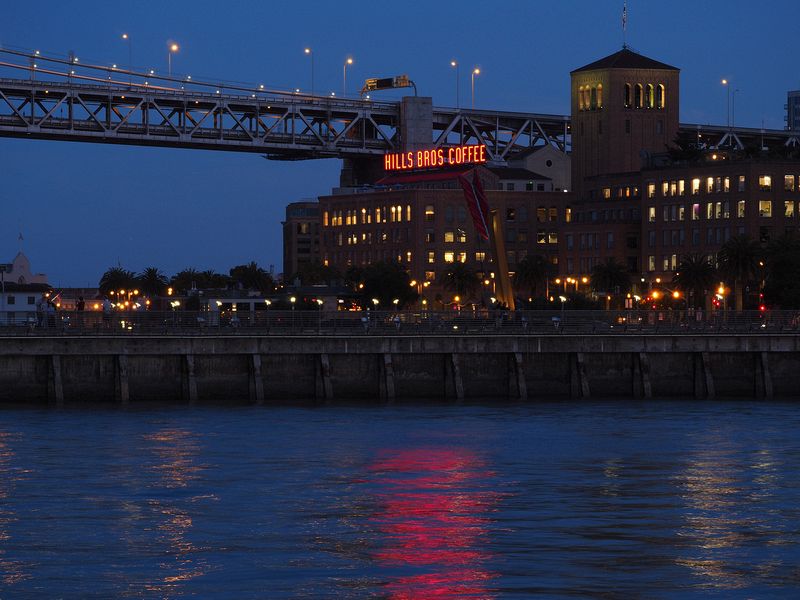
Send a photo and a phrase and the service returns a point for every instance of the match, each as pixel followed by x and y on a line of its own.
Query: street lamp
pixel 455 65
pixel 475 71
pixel 310 53
pixel 127 38
pixel 173 47
pixel 347 62
pixel 728 90
pixel 292 300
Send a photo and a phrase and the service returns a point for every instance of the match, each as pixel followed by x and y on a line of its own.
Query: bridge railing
pixel 411 322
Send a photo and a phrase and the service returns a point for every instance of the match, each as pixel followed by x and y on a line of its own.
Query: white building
pixel 19 291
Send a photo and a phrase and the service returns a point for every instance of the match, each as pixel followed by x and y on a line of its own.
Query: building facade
pixel 301 236
pixel 793 111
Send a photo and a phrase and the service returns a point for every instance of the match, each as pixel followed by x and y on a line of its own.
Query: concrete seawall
pixel 264 369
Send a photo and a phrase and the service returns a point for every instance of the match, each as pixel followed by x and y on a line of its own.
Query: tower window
pixel 648 100
pixel 660 95
pixel 580 98
pixel 600 96
pixel 594 99
pixel 637 95
pixel 628 96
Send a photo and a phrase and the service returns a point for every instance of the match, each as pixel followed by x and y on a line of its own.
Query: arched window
pixel 593 104
pixel 580 98
pixel 637 95
pixel 660 95
pixel 648 99
pixel 600 95
pixel 628 96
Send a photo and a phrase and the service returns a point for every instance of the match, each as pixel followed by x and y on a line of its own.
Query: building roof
pixel 517 173
pixel 625 59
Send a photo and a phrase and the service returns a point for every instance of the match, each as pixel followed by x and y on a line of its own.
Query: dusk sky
pixel 85 207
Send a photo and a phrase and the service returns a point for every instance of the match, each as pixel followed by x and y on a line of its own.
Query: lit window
pixel 408 256
pixel 765 183
pixel 480 256
pixel 462 257
pixel 461 236
pixel 449 257
pixel 430 275
pixel 665 188
pixel 649 96
pixel 600 96
pixel 606 193
pixel 788 183
pixel 651 263
pixel 552 237
pixel 541 237
pixel 681 213
pixel 681 187
pixel 709 210
pixel 709 185
pixel 393 218
pixel 651 190
pixel 695 186
pixel 568 215
pixel 788 209
pixel 553 214
pixel 628 96
pixel 449 237
pixel 765 208
pixel 408 213
pixel 726 187
pixel 726 210
pixel 740 209
pixel 541 215
pixel 661 96
pixel 429 214
pixel 325 219
pixel 695 212
pixel 580 98
pixel 718 210
pixel 431 257
pixel 741 183
pixel 651 214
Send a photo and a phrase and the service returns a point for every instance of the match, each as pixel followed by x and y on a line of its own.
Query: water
pixel 553 500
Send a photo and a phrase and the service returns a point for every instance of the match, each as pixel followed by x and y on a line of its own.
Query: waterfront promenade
pixel 313 358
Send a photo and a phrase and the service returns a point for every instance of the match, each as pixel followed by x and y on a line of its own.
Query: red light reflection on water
pixel 433 514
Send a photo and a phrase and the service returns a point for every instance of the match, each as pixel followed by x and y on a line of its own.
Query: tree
pixel 152 282
pixel 782 265
pixel 461 279
pixel 737 261
pixel 314 273
pixel 214 281
pixel 532 272
pixel 610 277
pixel 117 278
pixel 695 276
pixel 185 280
pixel 386 282
pixel 252 277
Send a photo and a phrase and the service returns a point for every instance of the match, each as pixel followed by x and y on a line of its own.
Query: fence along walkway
pixel 331 323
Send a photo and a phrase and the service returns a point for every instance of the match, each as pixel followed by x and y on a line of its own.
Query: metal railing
pixel 464 322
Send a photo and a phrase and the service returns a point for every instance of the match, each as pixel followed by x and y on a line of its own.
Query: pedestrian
pixel 396 321
pixel 106 312
pixel 41 304
pixel 80 305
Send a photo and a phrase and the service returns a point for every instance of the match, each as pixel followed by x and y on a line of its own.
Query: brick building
pixel 300 236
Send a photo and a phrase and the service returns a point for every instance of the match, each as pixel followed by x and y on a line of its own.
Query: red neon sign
pixel 435 157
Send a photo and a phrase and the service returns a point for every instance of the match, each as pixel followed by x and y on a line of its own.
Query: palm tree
pixel 460 278
pixel 213 280
pixel 531 272
pixel 695 275
pixel 610 277
pixel 152 281
pixel 185 280
pixel 737 260
pixel 252 277
pixel 116 278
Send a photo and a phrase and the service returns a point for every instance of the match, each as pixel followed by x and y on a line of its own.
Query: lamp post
pixel 347 62
pixel 475 71
pixel 310 54
pixel 173 47
pixel 733 108
pixel 454 64
pixel 728 90
pixel 127 38
pixel 292 300
pixel 319 302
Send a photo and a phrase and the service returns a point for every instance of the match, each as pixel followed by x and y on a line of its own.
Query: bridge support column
pixel 122 388
pixel 387 378
pixel 454 385
pixel 191 380
pixel 55 383
pixel 703 379
pixel 763 377
pixel 579 383
pixel 644 369
pixel 256 382
pixel 324 389
pixel 517 377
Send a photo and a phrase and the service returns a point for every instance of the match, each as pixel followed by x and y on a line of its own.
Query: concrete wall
pixel 240 369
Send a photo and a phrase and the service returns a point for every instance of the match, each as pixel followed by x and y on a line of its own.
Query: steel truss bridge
pixel 61 99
